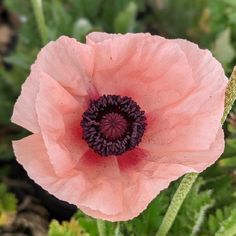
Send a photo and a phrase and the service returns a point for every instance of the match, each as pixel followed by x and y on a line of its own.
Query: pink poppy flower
pixel 115 120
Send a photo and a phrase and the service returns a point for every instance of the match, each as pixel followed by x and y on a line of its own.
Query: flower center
pixel 113 125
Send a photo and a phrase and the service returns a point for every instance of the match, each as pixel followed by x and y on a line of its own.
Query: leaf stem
pixel 189 179
pixel 38 12
pixel 101 227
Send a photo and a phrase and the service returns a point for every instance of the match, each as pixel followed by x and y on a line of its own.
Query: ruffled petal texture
pixel 179 86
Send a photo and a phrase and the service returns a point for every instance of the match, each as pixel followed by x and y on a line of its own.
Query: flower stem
pixel 117 230
pixel 189 179
pixel 101 227
pixel 38 12
pixel 176 203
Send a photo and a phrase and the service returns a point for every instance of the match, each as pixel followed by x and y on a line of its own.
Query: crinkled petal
pixel 94 183
pixel 192 122
pixel 198 160
pixel 143 183
pixel 66 61
pixel 104 192
pixel 24 113
pixel 32 154
pixel 70 63
pixel 57 110
pixel 108 188
pixel 96 37
pixel 135 64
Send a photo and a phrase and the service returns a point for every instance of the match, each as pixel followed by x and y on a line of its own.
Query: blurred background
pixel 25 209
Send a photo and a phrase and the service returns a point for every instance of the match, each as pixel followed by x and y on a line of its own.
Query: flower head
pixel 115 120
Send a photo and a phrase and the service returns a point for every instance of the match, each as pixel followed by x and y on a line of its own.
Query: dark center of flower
pixel 113 125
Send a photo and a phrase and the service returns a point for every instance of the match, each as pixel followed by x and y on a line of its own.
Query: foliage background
pixel 210 207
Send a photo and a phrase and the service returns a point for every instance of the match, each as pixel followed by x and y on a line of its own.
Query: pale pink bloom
pixel 103 153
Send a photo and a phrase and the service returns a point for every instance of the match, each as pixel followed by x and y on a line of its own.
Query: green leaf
pixel 222 185
pixel 230 148
pixel 148 221
pixel 71 228
pixel 230 2
pixel 228 162
pixel 190 219
pixel 223 49
pixel 19 59
pixel 228 226
pixel 90 225
pixel 8 201
pixel 6 110
pixel 212 224
pixel 91 7
pixel 8 205
pixel 81 28
pixel 87 223
pixel 223 222
pixel 61 20
pixel 125 20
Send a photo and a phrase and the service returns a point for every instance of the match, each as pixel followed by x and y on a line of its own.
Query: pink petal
pixel 203 64
pixel 142 185
pixel 96 37
pixel 198 161
pixel 102 191
pixel 192 122
pixel 53 105
pixel 65 60
pixel 68 62
pixel 24 113
pixel 135 64
pixel 95 179
pixel 31 153
pixel 105 190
